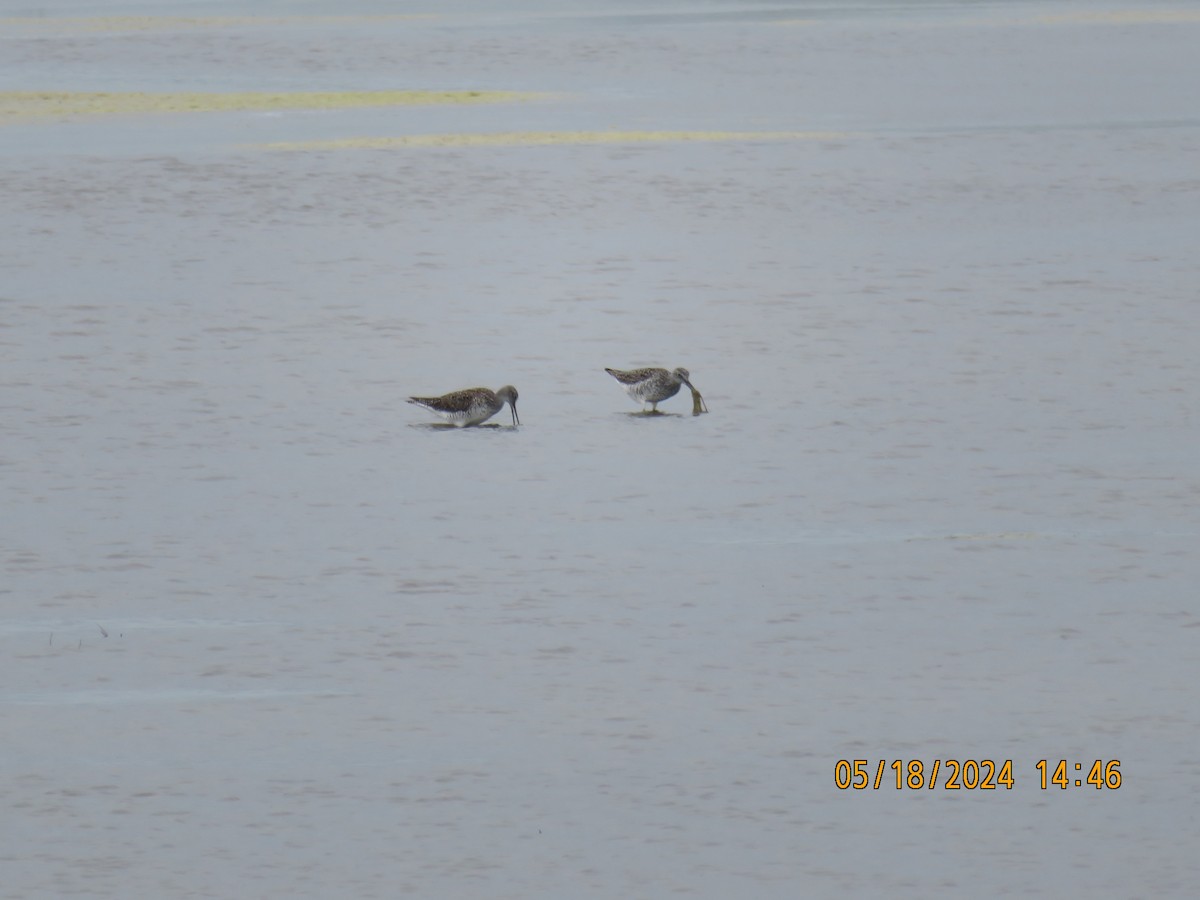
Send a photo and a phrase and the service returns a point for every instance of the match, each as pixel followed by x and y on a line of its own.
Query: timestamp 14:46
pixel 1101 774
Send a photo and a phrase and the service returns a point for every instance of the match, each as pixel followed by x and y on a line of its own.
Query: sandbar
pixel 73 24
pixel 539 138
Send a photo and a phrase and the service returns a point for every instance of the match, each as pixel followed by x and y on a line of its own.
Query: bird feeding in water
pixel 471 406
pixel 656 385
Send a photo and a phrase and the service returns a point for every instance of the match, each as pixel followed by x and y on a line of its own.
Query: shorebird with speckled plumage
pixel 471 406
pixel 651 385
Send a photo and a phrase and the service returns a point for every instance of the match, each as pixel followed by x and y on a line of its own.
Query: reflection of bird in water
pixel 471 406
pixel 652 385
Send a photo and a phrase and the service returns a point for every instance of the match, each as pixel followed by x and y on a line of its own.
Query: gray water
pixel 267 633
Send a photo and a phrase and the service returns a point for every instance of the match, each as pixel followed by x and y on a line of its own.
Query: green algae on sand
pixel 16 105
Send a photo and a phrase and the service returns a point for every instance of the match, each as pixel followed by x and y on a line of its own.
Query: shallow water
pixel 266 631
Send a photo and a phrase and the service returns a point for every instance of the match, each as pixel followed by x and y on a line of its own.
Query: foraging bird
pixel 651 385
pixel 471 406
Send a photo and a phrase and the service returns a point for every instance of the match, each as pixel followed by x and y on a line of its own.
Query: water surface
pixel 264 631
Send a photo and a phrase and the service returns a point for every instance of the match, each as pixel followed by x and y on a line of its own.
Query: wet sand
pixel 267 632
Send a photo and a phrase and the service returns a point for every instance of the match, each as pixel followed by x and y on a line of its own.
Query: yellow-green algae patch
pixel 73 24
pixel 540 138
pixel 57 104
